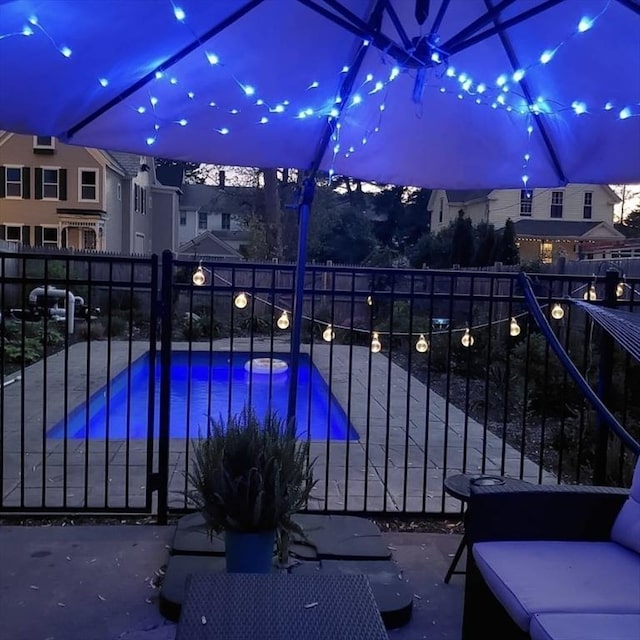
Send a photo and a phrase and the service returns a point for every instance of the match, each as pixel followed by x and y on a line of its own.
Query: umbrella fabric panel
pixel 271 93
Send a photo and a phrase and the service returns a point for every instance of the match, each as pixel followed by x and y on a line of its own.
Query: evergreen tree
pixel 507 250
pixel 463 241
pixel 486 245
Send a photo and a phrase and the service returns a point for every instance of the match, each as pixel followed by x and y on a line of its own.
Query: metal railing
pixel 406 377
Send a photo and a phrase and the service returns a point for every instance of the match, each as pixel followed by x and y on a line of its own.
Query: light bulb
pixel 620 289
pixel 199 278
pixel 514 328
pixel 241 300
pixel 328 334
pixel 591 294
pixel 283 321
pixel 467 339
pixel 369 300
pixel 557 313
pixel 422 346
pixel 375 343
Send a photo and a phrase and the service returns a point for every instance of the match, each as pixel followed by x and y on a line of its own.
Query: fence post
pixel 165 311
pixel 605 375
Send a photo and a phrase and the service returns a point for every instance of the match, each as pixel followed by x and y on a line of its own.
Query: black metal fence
pixel 112 366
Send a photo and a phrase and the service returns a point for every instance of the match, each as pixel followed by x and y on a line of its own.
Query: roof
pixel 558 228
pixel 208 244
pixel 206 197
pixel 130 162
pixel 467 195
pixel 170 175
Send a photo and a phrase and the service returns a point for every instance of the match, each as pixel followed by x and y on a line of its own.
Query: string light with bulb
pixel 422 344
pixel 241 301
pixel 283 321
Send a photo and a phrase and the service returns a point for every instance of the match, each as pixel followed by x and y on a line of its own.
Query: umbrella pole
pixel 304 210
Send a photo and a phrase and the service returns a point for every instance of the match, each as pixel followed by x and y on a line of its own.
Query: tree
pixel 507 250
pixel 630 199
pixel 463 241
pixel 402 213
pixel 338 231
pixel 630 226
pixel 485 244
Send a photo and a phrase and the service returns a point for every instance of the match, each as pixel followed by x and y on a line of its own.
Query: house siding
pixel 32 212
pixel 502 204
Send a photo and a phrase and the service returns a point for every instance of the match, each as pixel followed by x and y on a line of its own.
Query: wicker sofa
pixel 553 563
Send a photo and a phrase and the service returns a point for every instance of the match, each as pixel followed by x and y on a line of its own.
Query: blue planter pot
pixel 249 552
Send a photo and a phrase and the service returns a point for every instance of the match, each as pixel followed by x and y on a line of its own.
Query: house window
pixel 89 239
pixel 13 233
pixel 88 185
pixel 226 221
pixel 183 218
pixel 588 204
pixel 143 201
pixel 526 204
pixel 441 212
pixel 202 219
pixel 44 143
pixel 13 182
pixel 557 198
pixel 50 184
pixel 546 252
pixel 49 236
pixel 136 197
pixel 119 191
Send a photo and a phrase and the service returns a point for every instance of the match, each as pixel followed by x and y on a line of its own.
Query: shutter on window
pixel 38 242
pixel 26 183
pixel 38 184
pixel 62 189
pixel 3 232
pixel 63 239
pixel 3 176
pixel 26 236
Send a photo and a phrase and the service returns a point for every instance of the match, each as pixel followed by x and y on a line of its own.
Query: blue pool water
pixel 203 384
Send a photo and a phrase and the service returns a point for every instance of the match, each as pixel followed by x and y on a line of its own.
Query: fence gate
pixel 77 404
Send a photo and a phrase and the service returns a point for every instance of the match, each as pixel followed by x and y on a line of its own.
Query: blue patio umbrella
pixel 455 94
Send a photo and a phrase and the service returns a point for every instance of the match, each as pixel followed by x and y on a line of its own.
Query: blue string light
pixel 498 94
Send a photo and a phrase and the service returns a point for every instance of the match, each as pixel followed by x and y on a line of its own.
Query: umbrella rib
pixel 345 90
pixel 221 26
pixel 358 27
pixel 439 18
pixel 513 60
pixel 406 41
pixel 477 24
pixel 479 37
pixel 631 4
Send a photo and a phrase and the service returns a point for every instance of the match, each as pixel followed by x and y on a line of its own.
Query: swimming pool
pixel 204 384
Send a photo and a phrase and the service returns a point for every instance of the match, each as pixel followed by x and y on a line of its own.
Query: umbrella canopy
pixel 447 93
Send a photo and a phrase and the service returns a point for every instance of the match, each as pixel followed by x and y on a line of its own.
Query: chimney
pixel 221 179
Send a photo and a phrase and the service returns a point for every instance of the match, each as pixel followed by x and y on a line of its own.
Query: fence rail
pixel 407 376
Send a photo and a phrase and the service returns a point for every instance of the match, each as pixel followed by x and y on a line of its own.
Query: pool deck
pixel 410 438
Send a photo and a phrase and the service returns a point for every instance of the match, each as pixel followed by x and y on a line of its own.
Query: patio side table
pixel 459 486
pixel 279 606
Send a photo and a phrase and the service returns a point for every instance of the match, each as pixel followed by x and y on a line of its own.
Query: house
pixel 210 220
pixel 549 223
pixel 62 196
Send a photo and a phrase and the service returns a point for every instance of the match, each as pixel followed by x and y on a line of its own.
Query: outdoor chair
pixel 553 563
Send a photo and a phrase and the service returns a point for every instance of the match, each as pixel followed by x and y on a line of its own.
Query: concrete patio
pixel 98 583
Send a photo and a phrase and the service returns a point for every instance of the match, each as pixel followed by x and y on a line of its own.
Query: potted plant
pixel 249 476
